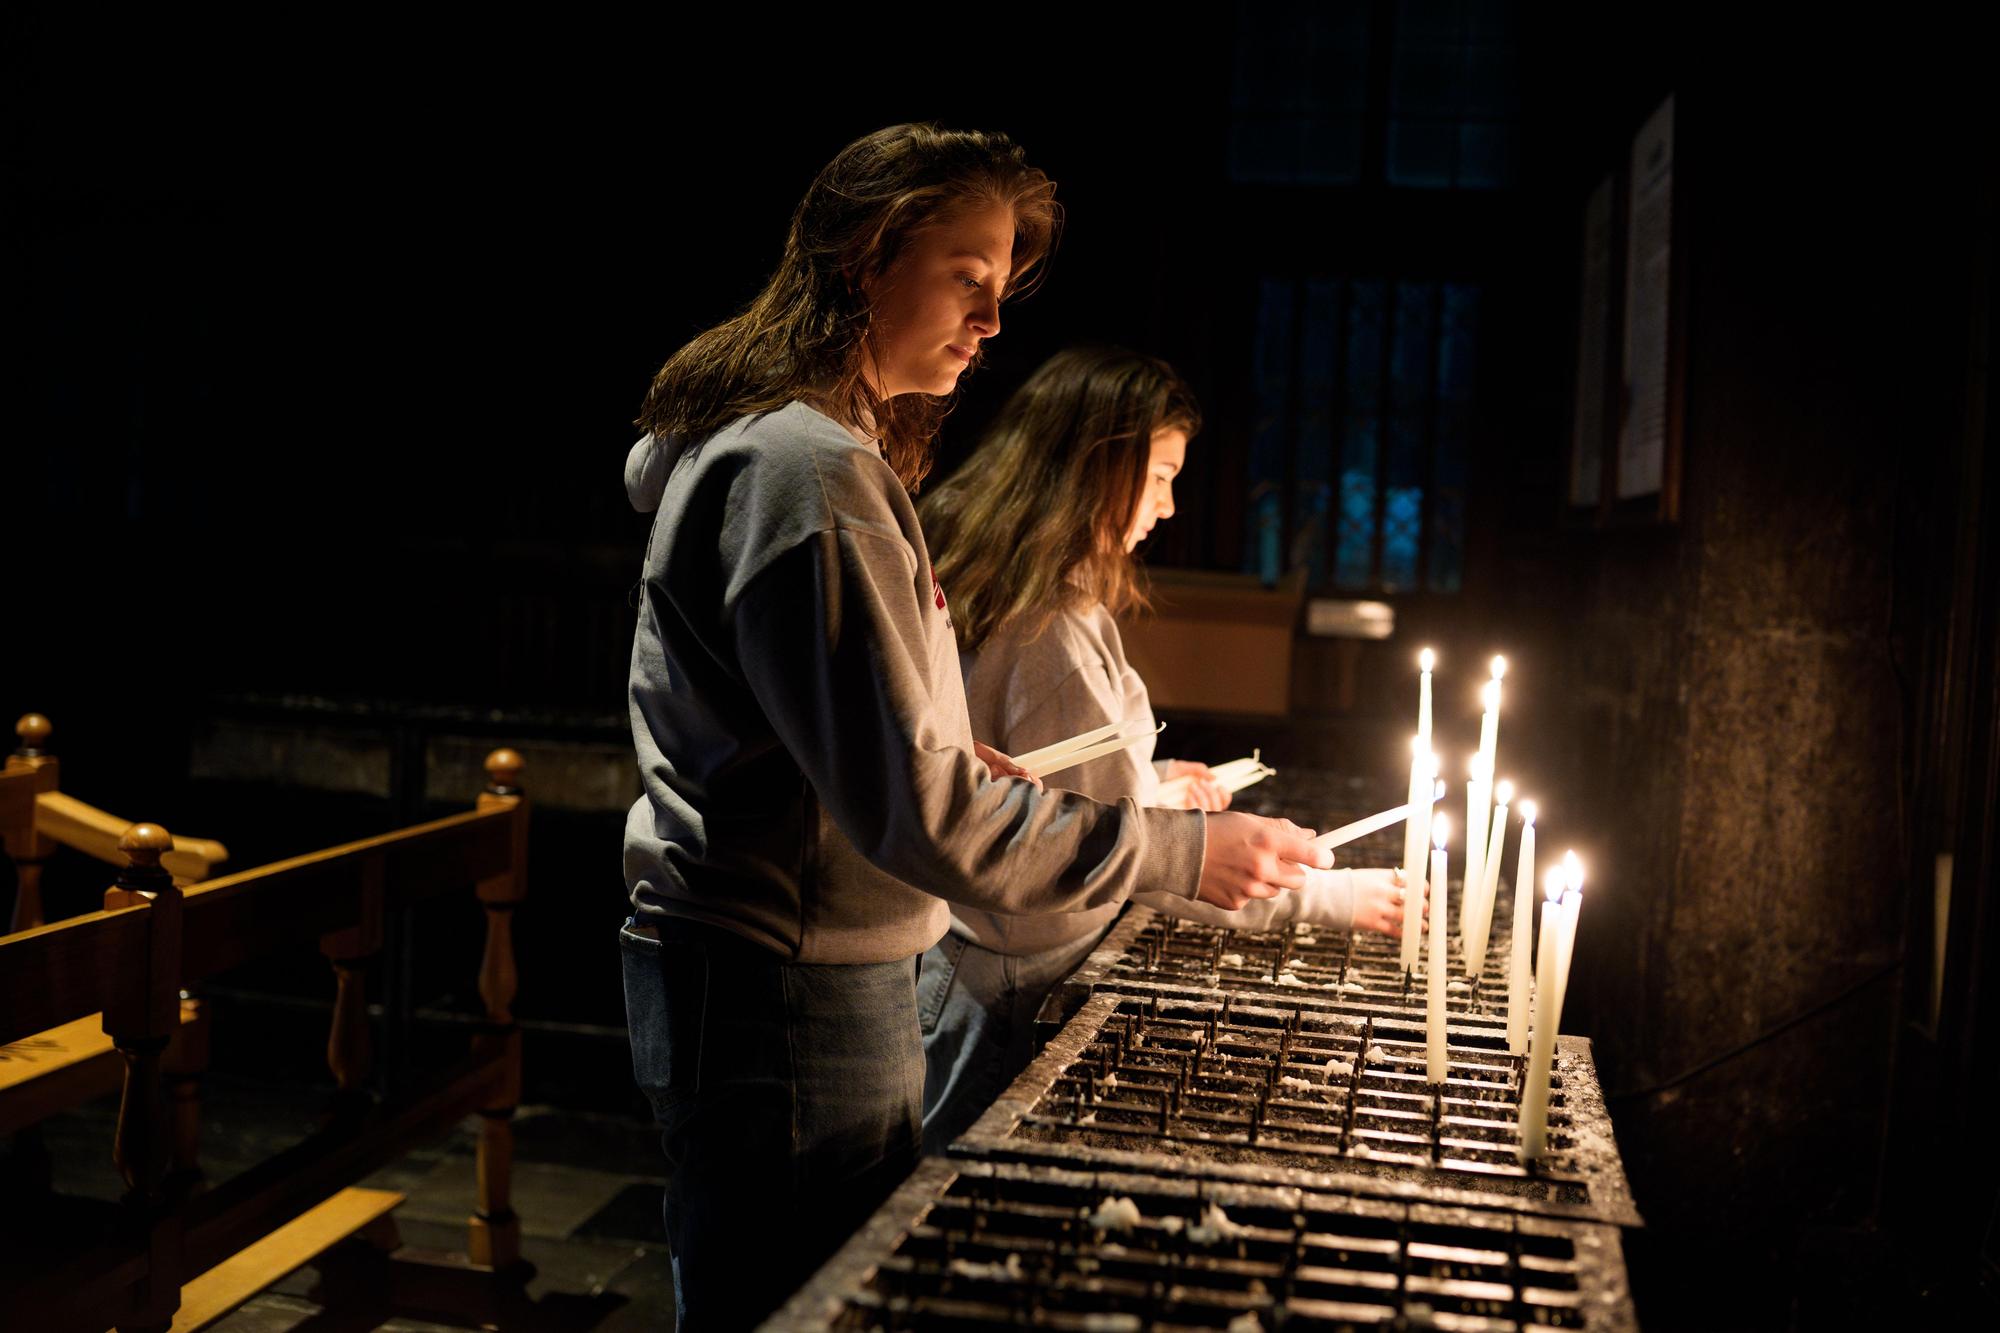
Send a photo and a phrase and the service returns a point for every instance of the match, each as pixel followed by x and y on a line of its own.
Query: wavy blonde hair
pixel 805 335
pixel 1034 523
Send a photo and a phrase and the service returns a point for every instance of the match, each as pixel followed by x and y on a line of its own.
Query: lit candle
pixel 1542 1049
pixel 1478 809
pixel 1425 661
pixel 1416 843
pixel 1413 899
pixel 1524 924
pixel 1489 725
pixel 1481 928
pixel 1484 769
pixel 1572 904
pixel 1435 1064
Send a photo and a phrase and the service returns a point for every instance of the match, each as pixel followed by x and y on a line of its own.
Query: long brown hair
pixel 1034 523
pixel 805 335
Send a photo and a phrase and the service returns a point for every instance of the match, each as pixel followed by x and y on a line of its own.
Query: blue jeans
pixel 787 1096
pixel 977 1009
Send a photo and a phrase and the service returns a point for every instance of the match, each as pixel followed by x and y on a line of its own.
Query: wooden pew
pixel 69 1065
pixel 62 820
pixel 130 962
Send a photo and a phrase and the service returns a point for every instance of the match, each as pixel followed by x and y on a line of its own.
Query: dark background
pixel 324 334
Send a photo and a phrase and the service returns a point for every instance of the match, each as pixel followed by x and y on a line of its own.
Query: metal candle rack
pixel 1313 967
pixel 966 1245
pixel 1227 1088
pixel 1280 1077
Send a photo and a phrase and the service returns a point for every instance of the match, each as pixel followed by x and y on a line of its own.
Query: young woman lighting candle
pixel 1036 536
pixel 812 790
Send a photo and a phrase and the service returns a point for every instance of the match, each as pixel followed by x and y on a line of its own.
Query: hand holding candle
pixel 1436 1064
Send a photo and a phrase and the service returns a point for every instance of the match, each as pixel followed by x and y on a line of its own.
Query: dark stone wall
pixel 1723 718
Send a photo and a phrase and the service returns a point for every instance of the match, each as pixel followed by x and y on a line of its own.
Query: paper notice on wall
pixel 1593 350
pixel 1642 439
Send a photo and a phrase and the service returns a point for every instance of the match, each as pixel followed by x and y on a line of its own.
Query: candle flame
pixel 1427 659
pixel 1527 811
pixel 1479 768
pixel 1572 871
pixel 1440 830
pixel 1489 695
pixel 1499 667
pixel 1503 792
pixel 1552 884
pixel 1438 795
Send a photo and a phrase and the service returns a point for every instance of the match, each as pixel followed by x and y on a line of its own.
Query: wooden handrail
pixel 76 824
pixel 56 974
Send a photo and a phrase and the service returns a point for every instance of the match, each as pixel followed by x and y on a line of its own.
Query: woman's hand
pixel 1378 901
pixel 1000 766
pixel 1191 786
pixel 1249 857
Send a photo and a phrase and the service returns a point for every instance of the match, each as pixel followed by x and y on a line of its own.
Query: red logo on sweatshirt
pixel 937 588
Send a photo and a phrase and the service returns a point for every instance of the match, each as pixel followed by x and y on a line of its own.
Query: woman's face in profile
pixel 1164 461
pixel 931 310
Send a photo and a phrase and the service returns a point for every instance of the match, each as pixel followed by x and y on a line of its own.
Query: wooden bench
pixel 62 820
pixel 72 1064
pixel 130 962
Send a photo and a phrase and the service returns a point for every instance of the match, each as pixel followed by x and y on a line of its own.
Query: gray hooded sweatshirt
pixel 801 721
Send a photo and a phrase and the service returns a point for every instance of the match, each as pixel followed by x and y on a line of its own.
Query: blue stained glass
pixel 1402 525
pixel 1312 437
pixel 1457 349
pixel 1300 92
pixel 1411 384
pixel 1360 439
pixel 1268 438
pixel 1354 564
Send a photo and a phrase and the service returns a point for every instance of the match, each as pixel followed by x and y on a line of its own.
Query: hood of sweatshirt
pixel 646 468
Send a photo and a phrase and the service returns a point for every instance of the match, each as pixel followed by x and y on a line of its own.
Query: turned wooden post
pixel 494 1234
pixel 140 1019
pixel 185 1061
pixel 32 753
pixel 350 1052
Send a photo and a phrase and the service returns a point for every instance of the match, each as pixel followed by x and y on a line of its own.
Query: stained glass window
pixel 1300 93
pixel 1453 94
pixel 1312 434
pixel 1277 354
pixel 1372 384
pixel 1361 441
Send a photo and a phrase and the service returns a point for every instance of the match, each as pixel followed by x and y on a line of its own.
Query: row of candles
pixel 1487 804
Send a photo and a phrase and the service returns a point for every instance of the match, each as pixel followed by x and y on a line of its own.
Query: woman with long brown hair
pixel 812 789
pixel 1036 537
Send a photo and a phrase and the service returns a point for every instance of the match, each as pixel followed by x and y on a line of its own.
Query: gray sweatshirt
pixel 801 724
pixel 1069 679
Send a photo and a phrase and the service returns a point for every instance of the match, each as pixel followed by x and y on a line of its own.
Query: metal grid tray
pixel 965 1245
pixel 1339 971
pixel 1224 1088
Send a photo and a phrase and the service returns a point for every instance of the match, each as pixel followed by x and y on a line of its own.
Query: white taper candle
pixel 1436 1065
pixel 1524 924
